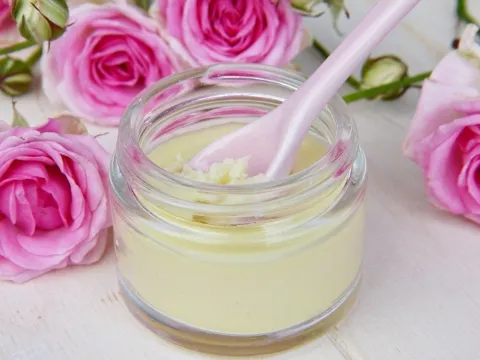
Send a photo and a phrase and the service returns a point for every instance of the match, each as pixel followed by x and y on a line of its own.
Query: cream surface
pixel 175 152
pixel 226 279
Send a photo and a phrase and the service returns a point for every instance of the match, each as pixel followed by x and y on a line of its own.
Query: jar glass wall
pixel 235 269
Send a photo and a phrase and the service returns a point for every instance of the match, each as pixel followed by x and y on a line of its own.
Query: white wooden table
pixel 420 298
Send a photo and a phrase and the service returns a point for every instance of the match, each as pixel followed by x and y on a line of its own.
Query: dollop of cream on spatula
pixel 227 172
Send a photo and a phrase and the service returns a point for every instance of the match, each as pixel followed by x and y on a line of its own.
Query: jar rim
pixel 338 153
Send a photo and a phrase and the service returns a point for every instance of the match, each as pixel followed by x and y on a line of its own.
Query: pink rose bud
pixel 53 201
pixel 444 136
pixel 108 55
pixel 206 32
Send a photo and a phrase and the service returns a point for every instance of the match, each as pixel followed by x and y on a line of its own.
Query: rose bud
pixel 384 70
pixel 40 20
pixel 15 76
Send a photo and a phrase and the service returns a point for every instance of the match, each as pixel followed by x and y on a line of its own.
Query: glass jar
pixel 274 266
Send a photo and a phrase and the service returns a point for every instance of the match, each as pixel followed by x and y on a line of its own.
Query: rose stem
pixel 463 13
pixel 379 90
pixel 16 47
pixel 34 56
pixel 353 82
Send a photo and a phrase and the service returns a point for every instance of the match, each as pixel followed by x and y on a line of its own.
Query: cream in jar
pixel 229 264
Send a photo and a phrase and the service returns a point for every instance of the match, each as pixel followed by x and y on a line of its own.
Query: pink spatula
pixel 272 141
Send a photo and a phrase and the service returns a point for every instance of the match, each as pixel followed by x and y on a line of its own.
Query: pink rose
pixel 206 32
pixel 6 18
pixel 53 201
pixel 109 54
pixel 8 27
pixel 444 137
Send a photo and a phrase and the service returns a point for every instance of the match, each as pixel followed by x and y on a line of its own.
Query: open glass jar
pixel 268 269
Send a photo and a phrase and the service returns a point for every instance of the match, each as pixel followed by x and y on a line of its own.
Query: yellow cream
pixel 227 172
pixel 243 280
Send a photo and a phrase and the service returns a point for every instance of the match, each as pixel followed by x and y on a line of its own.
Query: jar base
pixel 237 345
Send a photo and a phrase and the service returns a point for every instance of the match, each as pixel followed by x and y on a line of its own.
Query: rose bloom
pixel 8 27
pixel 53 201
pixel 6 19
pixel 107 56
pixel 444 137
pixel 206 32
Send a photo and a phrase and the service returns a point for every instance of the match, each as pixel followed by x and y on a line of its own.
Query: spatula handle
pixel 309 100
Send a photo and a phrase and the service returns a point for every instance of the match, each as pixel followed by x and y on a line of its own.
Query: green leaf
pixel 336 8
pixel 143 4
pixel 463 13
pixel 307 7
pixel 54 10
pixel 18 119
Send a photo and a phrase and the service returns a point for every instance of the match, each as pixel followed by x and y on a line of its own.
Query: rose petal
pixel 8 203
pixel 59 212
pixel 456 71
pixel 95 153
pixel 22 257
pixel 54 244
pixel 473 182
pixel 78 173
pixel 452 85
pixel 22 154
pixel 442 162
pixel 21 170
pixel 473 217
pixel 50 126
pixel 442 171
pixel 468 182
pixel 468 106
pixel 24 216
pixel 436 107
pixel 100 217
pixel 92 251
pixel 11 272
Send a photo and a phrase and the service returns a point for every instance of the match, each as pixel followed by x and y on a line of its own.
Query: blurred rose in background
pixel 206 32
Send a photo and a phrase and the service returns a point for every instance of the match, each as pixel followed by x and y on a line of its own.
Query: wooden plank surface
pixel 420 297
